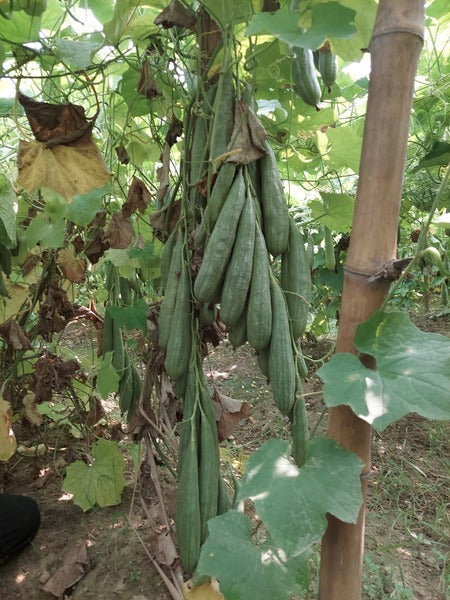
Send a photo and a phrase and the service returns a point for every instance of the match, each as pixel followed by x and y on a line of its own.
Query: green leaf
pixel 327 20
pixel 336 211
pixel 330 20
pixel 350 49
pixel 99 483
pixel 78 53
pixel 131 317
pixel 244 569
pixel 84 207
pixel 20 28
pixel 102 11
pixel 7 213
pixel 117 26
pixel 137 104
pixel 231 11
pixel 107 377
pixel 345 147
pixel 121 259
pixel 413 372
pixel 41 228
pixel 292 502
pixel 439 155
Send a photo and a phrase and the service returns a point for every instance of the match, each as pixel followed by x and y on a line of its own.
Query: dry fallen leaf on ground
pixel 74 568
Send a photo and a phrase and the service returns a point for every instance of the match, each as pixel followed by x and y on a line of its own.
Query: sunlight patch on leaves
pixel 413 372
pixel 244 569
pixel 292 502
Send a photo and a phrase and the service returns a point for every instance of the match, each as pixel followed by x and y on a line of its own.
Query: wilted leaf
pixel 248 135
pixel 175 130
pixel 74 568
pixel 138 198
pixel 69 170
pixel 99 483
pixel 120 232
pixel 73 268
pixel 229 412
pixel 30 409
pixel 147 84
pixel 55 124
pixel 175 15
pixel 8 442
pixel 11 331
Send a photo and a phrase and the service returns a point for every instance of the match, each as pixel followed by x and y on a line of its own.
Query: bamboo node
pixel 414 32
pixel 390 271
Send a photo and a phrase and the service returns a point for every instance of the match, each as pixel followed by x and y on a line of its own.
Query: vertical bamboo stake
pixel 395 47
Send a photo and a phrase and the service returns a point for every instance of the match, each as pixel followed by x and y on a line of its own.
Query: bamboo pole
pixel 395 47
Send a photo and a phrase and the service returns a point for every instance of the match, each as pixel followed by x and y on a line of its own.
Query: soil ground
pixel 407 523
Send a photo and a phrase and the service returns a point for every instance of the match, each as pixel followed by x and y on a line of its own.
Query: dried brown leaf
pixel 30 411
pixel 167 552
pixel 73 269
pixel 248 136
pixel 176 15
pixel 11 331
pixel 138 198
pixel 147 84
pixel 229 412
pixel 74 568
pixel 120 232
pixel 175 131
pixel 55 124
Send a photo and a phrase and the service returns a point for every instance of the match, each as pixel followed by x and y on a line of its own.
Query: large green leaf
pixel 346 145
pixel 84 207
pixel 439 155
pixel 131 317
pixel 107 377
pixel 244 569
pixel 231 11
pixel 78 53
pixel 327 20
pixel 19 28
pixel 7 213
pixel 101 482
pixel 42 228
pixel 336 211
pixel 292 502
pixel 350 49
pixel 413 372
